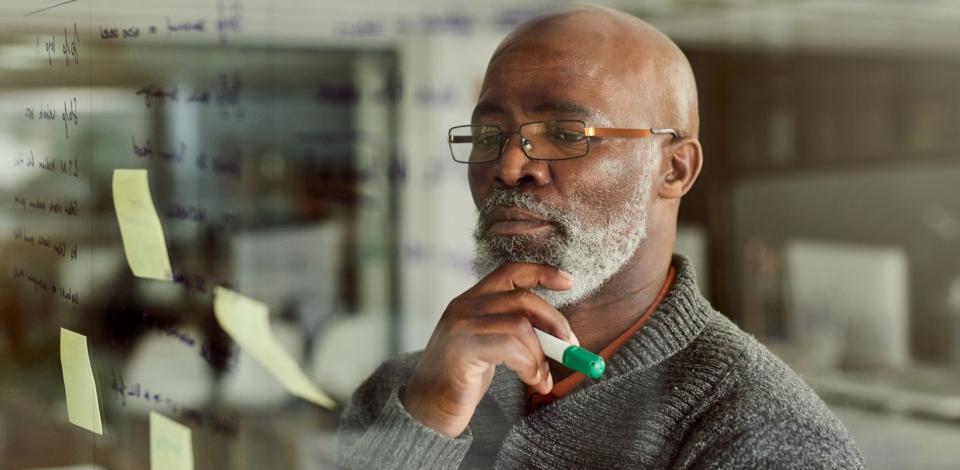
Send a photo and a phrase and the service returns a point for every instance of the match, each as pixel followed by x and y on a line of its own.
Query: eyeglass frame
pixel 588 131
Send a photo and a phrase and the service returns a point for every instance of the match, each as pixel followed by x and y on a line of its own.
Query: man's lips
pixel 515 221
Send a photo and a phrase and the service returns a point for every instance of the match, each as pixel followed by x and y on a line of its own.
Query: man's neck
pixel 619 303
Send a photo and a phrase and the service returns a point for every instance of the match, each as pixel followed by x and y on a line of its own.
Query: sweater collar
pixel 678 320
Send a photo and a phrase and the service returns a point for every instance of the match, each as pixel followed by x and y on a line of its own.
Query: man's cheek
pixel 598 188
pixel 478 179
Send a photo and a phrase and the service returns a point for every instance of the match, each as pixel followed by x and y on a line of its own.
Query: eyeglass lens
pixel 546 140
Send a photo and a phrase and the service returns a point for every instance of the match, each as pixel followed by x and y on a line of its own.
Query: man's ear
pixel 680 168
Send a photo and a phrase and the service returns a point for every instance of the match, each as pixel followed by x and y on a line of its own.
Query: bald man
pixel 582 143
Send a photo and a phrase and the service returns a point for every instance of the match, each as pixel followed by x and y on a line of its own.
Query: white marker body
pixel 553 347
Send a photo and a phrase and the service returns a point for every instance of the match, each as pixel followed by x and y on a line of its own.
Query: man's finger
pixel 510 276
pixel 507 324
pixel 508 350
pixel 538 312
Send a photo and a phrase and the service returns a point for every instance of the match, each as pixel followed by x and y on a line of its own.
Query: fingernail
pixel 573 339
pixel 566 275
pixel 539 374
pixel 549 382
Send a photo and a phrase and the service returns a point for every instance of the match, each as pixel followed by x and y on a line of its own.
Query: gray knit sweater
pixel 690 390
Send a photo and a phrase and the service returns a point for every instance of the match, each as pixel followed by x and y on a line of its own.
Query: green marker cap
pixel 581 360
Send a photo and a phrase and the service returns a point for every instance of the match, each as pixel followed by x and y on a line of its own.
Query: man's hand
pixel 489 324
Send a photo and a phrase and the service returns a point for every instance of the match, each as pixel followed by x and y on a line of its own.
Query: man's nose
pixel 516 169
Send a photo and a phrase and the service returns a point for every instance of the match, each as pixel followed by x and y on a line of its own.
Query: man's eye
pixel 567 136
pixel 486 140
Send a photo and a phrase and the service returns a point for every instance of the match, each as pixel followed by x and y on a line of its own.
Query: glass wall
pixel 296 154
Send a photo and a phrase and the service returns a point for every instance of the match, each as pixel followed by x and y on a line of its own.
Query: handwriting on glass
pixel 229 164
pixel 69 115
pixel 204 348
pixel 63 166
pixel 224 425
pixel 450 22
pixel 227 95
pixel 69 46
pixel 60 247
pixel 39 283
pixel 229 21
pixel 69 208
pixel 47 112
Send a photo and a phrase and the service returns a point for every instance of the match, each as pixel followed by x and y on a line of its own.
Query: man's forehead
pixel 573 86
pixel 550 64
pixel 542 105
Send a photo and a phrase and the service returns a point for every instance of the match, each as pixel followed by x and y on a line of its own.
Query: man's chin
pixel 493 253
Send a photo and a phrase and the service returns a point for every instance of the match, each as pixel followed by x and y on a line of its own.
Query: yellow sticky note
pixel 140 229
pixel 248 323
pixel 83 407
pixel 170 444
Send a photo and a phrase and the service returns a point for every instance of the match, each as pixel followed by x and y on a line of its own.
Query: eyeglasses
pixel 540 140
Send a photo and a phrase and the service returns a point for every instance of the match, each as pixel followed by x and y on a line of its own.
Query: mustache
pixel 512 197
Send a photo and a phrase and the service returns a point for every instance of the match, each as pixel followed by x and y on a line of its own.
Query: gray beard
pixel 591 254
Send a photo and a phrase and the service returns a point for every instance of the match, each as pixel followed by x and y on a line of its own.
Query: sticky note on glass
pixel 247 321
pixel 170 444
pixel 140 229
pixel 83 407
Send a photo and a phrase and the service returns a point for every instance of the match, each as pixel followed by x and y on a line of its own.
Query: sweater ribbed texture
pixel 689 391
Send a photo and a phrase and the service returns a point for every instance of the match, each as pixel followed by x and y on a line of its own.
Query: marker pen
pixel 571 356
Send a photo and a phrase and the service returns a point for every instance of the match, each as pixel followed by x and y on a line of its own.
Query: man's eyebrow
pixel 485 109
pixel 565 107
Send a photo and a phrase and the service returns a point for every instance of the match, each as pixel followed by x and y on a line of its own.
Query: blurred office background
pixel 297 154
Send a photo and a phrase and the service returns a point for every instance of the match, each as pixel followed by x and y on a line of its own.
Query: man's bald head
pixel 610 217
pixel 625 57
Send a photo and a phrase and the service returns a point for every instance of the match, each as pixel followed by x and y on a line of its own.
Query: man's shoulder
pixel 752 372
pixel 747 371
pixel 759 403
